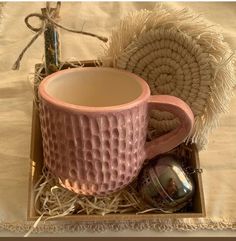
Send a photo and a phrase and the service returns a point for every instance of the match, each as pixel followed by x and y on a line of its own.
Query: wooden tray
pixel 36 164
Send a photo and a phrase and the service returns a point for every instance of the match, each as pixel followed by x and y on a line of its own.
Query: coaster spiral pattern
pixel 181 54
pixel 172 64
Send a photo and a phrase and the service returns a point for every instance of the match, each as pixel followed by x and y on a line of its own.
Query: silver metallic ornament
pixel 165 185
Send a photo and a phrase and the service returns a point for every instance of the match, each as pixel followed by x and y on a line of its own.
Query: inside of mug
pixel 95 87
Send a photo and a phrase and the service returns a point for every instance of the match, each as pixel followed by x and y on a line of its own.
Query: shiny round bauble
pixel 164 184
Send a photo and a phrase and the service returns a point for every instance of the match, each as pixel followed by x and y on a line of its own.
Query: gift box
pixel 195 209
pixel 188 152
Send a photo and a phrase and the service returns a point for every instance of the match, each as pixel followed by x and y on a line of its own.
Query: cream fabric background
pixel 218 161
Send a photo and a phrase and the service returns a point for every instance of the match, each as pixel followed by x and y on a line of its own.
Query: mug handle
pixel 175 137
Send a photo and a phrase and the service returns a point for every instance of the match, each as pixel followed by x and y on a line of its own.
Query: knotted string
pixel 49 17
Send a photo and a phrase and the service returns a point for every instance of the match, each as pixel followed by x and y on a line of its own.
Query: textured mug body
pixel 94 153
pixel 94 150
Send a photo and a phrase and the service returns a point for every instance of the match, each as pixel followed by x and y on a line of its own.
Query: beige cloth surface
pixel 218 161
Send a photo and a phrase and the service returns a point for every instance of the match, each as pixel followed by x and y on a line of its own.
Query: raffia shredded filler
pixel 53 201
pixel 56 201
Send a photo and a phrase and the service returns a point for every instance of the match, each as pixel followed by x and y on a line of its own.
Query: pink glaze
pixel 99 150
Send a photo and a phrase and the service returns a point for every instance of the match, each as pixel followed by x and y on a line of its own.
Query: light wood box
pixel 36 164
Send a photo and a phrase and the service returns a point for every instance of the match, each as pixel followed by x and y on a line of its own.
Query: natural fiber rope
pixel 48 17
pixel 180 54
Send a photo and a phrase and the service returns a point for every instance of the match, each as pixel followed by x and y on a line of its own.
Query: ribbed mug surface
pixel 94 153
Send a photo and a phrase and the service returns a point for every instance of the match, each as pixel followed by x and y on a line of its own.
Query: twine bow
pixel 46 17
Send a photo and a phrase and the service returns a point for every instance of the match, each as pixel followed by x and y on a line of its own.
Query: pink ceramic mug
pixel 94 125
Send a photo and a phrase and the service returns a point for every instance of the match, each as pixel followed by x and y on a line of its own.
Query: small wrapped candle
pixel 51 36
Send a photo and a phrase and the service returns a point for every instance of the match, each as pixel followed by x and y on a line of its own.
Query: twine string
pixel 102 38
pixel 48 17
pixel 40 30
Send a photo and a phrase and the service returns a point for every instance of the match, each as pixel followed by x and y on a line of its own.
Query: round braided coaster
pixel 179 54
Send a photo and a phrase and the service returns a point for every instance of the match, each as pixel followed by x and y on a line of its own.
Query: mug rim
pixel 43 94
